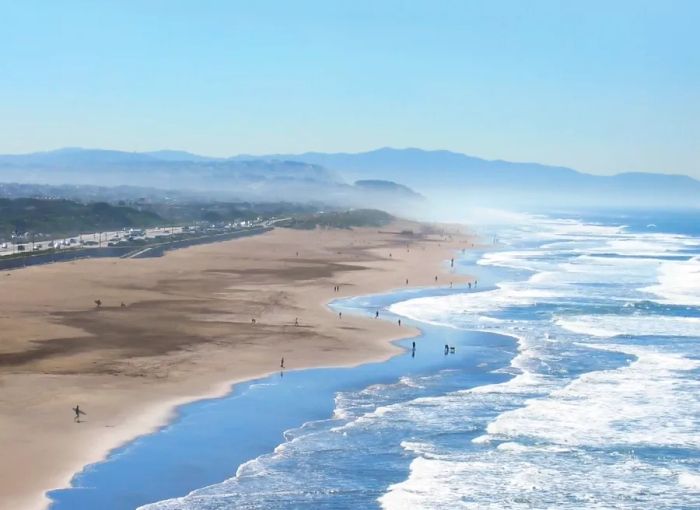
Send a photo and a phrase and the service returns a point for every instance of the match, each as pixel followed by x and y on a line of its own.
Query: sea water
pixel 575 383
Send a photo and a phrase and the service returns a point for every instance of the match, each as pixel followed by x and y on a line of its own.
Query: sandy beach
pixel 178 328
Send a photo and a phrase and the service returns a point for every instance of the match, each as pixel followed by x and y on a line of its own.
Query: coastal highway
pixel 93 240
pixel 102 239
pixel 156 249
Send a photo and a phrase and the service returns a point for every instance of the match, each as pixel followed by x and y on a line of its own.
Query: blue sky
pixel 602 86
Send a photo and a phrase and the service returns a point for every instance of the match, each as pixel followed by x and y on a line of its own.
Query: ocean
pixel 575 383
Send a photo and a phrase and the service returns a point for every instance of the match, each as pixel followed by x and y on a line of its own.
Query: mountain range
pixel 453 175
pixel 381 174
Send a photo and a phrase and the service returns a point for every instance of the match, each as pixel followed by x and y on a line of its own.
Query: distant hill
pixel 383 178
pixel 494 182
pixel 169 169
pixel 173 170
pixel 81 173
pixel 167 155
pixel 380 186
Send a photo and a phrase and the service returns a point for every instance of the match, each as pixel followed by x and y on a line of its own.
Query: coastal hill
pixel 381 186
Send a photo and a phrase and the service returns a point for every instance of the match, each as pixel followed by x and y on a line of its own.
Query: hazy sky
pixel 602 86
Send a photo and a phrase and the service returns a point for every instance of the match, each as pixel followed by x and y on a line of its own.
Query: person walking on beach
pixel 282 362
pixel 399 322
pixel 414 346
pixel 376 314
pixel 78 412
pixel 296 321
pixel 340 315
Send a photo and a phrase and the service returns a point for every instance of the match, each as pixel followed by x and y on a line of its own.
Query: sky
pixel 600 86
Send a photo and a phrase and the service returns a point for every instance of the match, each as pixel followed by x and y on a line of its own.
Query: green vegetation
pixel 42 218
pixel 64 217
pixel 341 219
pixel 224 212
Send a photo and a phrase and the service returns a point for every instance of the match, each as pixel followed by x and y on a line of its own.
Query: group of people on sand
pixel 98 304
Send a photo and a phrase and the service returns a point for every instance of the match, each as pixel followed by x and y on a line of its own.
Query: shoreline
pixel 155 413
pixel 320 383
